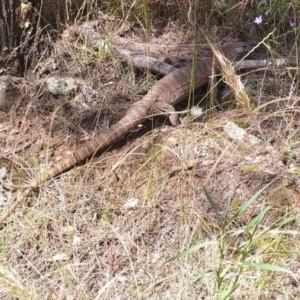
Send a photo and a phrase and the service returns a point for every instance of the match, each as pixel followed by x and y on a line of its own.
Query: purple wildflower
pixel 258 20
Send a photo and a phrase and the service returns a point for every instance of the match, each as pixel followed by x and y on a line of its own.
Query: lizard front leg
pixel 166 109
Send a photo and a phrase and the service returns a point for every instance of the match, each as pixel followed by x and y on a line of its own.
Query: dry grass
pixel 177 213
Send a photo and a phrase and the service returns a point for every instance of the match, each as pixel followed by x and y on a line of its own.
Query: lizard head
pixel 241 47
pixel 236 49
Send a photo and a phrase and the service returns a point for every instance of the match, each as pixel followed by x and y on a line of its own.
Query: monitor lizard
pixel 164 94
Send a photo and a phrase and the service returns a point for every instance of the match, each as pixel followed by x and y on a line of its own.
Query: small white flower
pixel 264 2
pixel 132 202
pixel 258 20
pixel 292 24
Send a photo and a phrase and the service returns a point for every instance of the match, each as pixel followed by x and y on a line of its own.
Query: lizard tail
pixel 135 116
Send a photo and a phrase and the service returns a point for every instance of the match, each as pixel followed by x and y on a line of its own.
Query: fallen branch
pixel 159 67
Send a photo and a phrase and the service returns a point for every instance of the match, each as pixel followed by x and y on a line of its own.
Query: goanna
pixel 167 92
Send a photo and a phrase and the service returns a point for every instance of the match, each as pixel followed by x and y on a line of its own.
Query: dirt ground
pixel 105 229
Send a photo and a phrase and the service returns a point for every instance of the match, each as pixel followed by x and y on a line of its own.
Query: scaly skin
pixel 170 90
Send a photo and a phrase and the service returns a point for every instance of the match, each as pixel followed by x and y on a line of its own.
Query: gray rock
pixel 237 133
pixel 62 86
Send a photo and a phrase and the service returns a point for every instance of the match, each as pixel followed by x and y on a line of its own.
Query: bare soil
pixel 105 229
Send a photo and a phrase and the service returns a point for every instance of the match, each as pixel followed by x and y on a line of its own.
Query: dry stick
pixel 162 68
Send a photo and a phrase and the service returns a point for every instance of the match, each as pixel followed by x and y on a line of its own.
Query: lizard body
pixel 170 90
